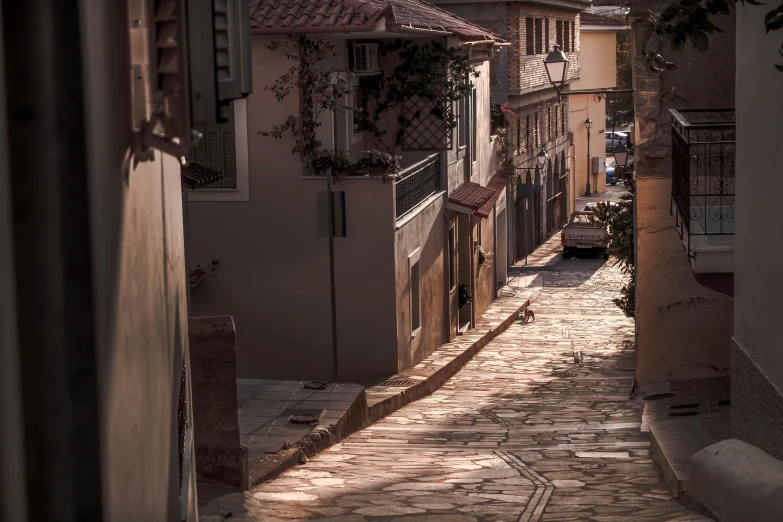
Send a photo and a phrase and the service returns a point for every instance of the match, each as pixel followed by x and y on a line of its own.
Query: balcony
pixel 416 184
pixel 703 154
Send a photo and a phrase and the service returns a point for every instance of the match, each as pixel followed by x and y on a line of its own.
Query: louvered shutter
pixel 228 144
pixel 232 48
pixel 172 65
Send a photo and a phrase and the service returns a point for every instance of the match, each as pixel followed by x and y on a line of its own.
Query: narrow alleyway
pixel 536 427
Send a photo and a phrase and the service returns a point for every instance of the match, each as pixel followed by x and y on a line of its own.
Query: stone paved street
pixel 536 427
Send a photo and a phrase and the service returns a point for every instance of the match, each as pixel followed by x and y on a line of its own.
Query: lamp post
pixel 620 154
pixel 556 65
pixel 588 125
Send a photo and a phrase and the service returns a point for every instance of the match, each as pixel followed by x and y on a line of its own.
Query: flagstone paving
pixel 537 427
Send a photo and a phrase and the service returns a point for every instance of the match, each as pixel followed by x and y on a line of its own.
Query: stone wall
pixel 219 455
pixel 756 405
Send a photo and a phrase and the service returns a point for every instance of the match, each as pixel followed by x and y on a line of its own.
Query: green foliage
pixel 684 21
pixel 372 163
pixel 621 246
pixel 464 296
pixel 620 109
pixel 432 71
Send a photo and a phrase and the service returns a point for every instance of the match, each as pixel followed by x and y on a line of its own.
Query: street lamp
pixel 620 154
pixel 588 125
pixel 556 65
pixel 540 161
pixel 541 157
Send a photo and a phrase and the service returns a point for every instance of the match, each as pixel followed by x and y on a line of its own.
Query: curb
pixel 437 379
pixel 359 415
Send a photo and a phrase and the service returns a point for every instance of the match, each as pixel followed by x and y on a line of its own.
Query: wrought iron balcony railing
pixel 703 154
pixel 417 183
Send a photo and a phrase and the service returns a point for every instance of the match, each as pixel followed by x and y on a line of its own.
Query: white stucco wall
pixel 758 255
pixel 274 266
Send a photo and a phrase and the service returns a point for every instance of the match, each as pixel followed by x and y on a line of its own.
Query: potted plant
pixel 464 295
pixel 379 163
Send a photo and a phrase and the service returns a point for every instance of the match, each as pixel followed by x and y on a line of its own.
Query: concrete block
pixel 738 482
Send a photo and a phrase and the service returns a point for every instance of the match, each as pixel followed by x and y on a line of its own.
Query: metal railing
pixel 417 183
pixel 703 159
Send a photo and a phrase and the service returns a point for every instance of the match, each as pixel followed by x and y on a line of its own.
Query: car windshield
pixel 584 219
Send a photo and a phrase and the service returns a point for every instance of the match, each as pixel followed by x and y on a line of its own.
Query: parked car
pixel 610 178
pixel 590 207
pixel 613 139
pixel 584 233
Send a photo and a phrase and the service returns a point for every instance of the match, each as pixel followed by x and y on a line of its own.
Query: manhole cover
pixel 658 396
pixel 315 385
pixel 304 419
pixel 399 383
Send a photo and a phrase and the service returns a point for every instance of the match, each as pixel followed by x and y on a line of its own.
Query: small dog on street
pixel 528 315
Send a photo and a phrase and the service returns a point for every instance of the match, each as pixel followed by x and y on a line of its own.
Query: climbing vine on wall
pixel 431 70
pixel 685 21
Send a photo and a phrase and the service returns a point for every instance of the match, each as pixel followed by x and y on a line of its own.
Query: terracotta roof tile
pixel 294 14
pixel 588 18
pixel 471 195
pixel 497 184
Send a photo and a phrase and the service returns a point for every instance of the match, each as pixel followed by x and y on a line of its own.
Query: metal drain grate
pixel 399 383
pixel 684 406
pixel 658 396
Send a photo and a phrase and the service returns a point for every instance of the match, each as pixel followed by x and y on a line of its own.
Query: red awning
pixel 477 200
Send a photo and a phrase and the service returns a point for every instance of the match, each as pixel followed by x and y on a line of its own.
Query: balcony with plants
pixel 404 111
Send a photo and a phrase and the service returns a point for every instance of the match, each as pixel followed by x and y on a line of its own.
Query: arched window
pixel 550 179
pixel 557 176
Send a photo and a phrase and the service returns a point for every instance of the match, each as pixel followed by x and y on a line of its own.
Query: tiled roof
pixel 477 199
pixel 588 18
pixel 497 184
pixel 310 15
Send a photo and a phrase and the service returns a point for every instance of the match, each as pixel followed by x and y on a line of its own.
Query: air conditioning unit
pixel 365 59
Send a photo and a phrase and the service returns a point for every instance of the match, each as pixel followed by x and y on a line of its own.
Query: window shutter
pixel 198 153
pixel 228 142
pixel 232 48
pixel 559 31
pixel 172 80
pixel 529 37
pixel 546 33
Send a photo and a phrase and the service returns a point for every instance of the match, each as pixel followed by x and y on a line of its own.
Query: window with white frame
pixel 224 148
pixel 415 290
pixel 461 123
pixel 453 256
pixel 473 124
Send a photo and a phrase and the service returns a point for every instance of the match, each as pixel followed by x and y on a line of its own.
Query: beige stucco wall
pixel 426 231
pixel 757 253
pixel 683 328
pixel 670 348
pixel 274 266
pixel 145 340
pixel 599 71
pixel 139 288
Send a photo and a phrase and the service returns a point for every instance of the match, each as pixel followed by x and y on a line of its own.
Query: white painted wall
pixel 274 267
pixel 758 254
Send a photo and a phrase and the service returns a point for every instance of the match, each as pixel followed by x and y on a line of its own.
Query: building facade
pixel 93 299
pixel 542 199
pixel 598 40
pixel 400 255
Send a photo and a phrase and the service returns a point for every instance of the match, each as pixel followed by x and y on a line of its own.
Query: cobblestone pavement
pixel 536 427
